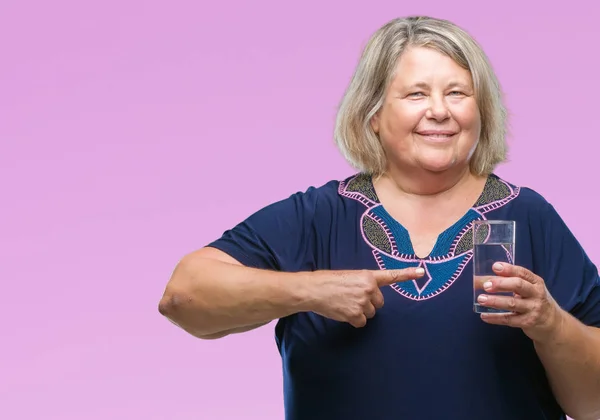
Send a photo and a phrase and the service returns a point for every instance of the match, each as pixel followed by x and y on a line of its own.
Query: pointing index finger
pixel 389 277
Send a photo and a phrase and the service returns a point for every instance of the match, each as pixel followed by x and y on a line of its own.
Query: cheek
pixel 469 121
pixel 467 115
pixel 402 119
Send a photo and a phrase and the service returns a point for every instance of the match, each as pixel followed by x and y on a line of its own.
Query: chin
pixel 437 168
pixel 437 165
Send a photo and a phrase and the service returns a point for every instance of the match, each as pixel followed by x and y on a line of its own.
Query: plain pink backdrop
pixel 133 132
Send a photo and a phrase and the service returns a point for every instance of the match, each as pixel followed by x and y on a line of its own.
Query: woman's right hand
pixel 354 296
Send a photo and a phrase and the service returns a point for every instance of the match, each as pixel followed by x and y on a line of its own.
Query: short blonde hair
pixel 364 96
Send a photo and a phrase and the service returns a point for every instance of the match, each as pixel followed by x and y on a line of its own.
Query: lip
pixel 436 133
pixel 437 136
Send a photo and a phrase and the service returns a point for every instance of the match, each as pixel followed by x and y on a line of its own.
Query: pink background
pixel 133 132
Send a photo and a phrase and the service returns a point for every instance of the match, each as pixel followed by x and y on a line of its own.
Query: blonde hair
pixel 364 96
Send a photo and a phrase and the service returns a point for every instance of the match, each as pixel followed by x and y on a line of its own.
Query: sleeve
pixel 570 275
pixel 277 237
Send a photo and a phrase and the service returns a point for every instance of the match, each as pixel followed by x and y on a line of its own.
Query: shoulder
pixel 304 205
pixel 532 211
pixel 527 199
pixel 538 220
pixel 332 192
pixel 325 191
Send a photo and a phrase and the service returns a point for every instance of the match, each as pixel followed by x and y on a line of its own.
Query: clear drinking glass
pixel 493 241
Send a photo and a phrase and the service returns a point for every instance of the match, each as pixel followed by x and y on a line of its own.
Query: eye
pixel 415 94
pixel 456 93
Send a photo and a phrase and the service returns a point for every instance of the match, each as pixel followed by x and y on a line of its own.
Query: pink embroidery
pixel 395 254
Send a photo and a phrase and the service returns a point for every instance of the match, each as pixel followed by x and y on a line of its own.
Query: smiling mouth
pixel 436 136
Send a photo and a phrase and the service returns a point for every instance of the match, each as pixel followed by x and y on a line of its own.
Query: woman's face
pixel 429 118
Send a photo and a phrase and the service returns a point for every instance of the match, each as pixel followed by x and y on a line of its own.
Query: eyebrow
pixel 459 85
pixel 453 84
pixel 420 85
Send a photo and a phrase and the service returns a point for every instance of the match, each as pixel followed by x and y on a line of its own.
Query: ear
pixel 375 123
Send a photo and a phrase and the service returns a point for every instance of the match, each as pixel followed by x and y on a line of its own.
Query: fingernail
pixel 420 271
pixel 498 267
pixel 482 298
pixel 487 285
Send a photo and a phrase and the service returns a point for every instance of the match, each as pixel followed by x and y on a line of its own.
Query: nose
pixel 438 109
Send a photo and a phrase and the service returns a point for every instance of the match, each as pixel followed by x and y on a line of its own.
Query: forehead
pixel 427 65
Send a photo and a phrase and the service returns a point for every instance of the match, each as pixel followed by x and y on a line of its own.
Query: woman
pixel 423 122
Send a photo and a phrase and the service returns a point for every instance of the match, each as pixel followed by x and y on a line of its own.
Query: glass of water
pixel 493 241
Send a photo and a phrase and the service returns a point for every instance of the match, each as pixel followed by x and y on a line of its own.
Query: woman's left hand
pixel 532 308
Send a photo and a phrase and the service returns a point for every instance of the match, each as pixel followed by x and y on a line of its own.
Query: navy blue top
pixel 426 354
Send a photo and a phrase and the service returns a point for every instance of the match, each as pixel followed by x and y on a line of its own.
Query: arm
pixel 572 361
pixel 244 278
pixel 559 309
pixel 571 354
pixel 568 349
pixel 264 269
pixel 211 295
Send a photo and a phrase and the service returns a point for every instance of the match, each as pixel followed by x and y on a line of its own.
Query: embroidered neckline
pixel 386 234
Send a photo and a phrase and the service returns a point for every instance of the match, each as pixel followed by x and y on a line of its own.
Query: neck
pixel 425 183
